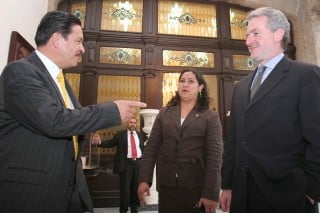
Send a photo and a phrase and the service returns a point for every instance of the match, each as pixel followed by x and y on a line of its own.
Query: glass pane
pixel 115 55
pixel 170 86
pixel 74 81
pixel 238 24
pixel 212 82
pixel 110 88
pixel 190 19
pixel 187 58
pixel 122 15
pixel 79 9
pixel 243 62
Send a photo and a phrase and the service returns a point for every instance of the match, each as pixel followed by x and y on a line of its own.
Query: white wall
pixel 22 16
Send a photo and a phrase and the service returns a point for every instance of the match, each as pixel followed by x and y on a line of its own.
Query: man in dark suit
pixel 40 168
pixel 272 153
pixel 126 163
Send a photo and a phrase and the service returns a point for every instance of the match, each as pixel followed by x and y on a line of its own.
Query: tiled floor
pixel 151 208
pixel 116 210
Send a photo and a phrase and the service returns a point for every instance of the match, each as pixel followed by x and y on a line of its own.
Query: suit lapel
pixel 190 119
pixel 174 113
pixel 34 59
pixel 275 77
pixel 243 90
pixel 124 141
pixel 141 140
pixel 174 116
pixel 73 97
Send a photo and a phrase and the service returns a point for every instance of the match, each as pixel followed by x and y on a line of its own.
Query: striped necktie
pixel 62 85
pixel 257 80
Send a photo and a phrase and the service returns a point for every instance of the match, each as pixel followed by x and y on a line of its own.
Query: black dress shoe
pixel 134 209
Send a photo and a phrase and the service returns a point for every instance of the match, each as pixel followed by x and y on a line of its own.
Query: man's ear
pixel 279 34
pixel 55 39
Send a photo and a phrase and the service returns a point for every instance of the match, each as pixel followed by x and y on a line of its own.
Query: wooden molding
pixel 19 47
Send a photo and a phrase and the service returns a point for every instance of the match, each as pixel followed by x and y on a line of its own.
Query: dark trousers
pixel 311 208
pixel 76 205
pixel 257 203
pixel 129 187
pixel 178 200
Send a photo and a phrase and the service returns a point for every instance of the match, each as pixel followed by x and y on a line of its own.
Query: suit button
pixel 246 170
pixel 69 184
pixel 72 159
pixel 244 142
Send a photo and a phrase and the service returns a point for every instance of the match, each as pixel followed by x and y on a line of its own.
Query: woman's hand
pixel 142 190
pixel 225 200
pixel 209 205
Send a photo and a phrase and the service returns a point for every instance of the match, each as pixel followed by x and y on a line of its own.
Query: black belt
pixel 133 159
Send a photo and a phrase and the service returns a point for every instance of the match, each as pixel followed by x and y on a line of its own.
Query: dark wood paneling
pixel 104 186
pixel 19 47
pixel 88 87
pixel 153 93
pixel 151 68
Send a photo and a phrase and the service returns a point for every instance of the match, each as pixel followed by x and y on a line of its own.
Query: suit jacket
pixel 120 139
pixel 275 137
pixel 192 150
pixel 38 167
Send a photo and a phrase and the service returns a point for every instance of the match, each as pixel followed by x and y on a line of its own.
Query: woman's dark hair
pixel 55 21
pixel 203 100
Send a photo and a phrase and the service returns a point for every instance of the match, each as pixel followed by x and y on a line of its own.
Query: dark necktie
pixel 133 146
pixel 257 81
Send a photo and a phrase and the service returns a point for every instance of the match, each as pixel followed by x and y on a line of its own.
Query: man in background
pixel 130 145
pixel 41 124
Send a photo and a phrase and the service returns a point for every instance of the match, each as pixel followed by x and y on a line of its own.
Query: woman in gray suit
pixel 186 141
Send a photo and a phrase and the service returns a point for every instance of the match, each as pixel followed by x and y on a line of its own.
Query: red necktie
pixel 133 146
